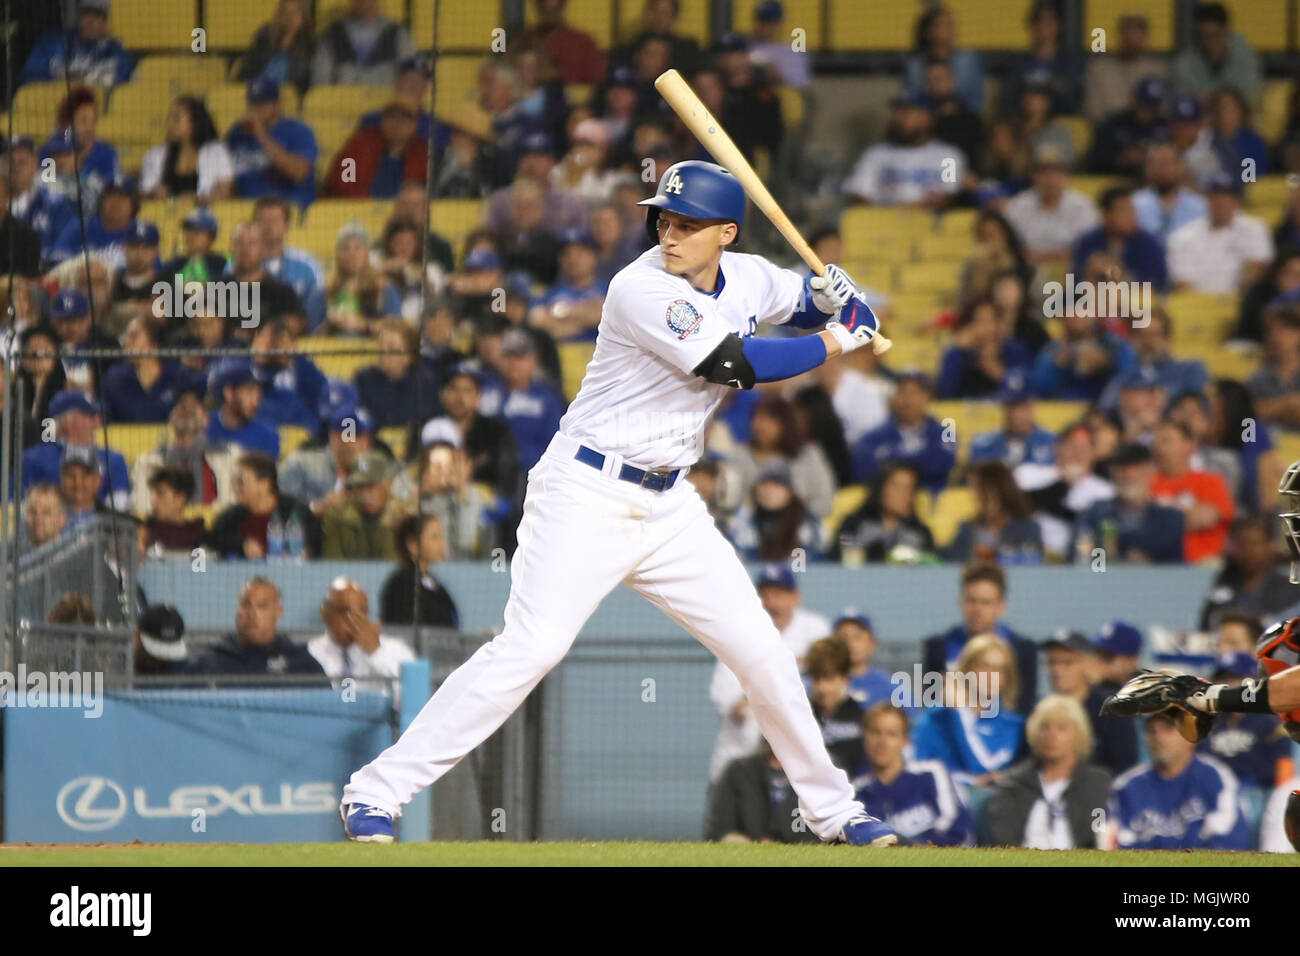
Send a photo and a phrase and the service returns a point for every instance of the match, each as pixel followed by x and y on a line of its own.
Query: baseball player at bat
pixel 1195 702
pixel 608 503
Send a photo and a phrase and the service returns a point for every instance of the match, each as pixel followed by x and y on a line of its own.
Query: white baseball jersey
pixel 639 398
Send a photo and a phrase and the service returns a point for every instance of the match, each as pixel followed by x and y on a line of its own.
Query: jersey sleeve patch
pixel 683 318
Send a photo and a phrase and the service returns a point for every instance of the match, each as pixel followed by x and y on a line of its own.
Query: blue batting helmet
pixel 697 189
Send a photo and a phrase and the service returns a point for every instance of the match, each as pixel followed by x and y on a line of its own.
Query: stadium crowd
pixel 1109 440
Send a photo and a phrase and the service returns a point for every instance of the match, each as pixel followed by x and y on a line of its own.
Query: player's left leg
pixel 696 578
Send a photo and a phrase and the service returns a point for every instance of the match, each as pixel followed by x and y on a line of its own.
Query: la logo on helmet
pixel 674 185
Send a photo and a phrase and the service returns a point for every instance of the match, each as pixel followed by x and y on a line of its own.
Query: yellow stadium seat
pixel 793 107
pixel 578 94
pixel 131 156
pixel 868 226
pixel 958 222
pixel 292 437
pixel 1274 110
pixel 595 17
pixel 874 24
pixel 231 24
pixel 1054 416
pixel 968 419
pixel 950 509
pixel 910 352
pixel 1094 186
pixel 805 15
pixel 846 501
pixel 945 248
pixel 166 214
pixel 913 309
pixel 1228 363
pixel 229 214
pixel 137 113
pixel 333 111
pixel 456 82
pixel 395 439
pixel 1268 192
pixel 1105 14
pixel 454 219
pixel 1200 316
pixel 170 75
pixel 315 241
pixel 464 26
pixel 692 21
pixel 1261 22
pixel 153 24
pixel 574 357
pixel 132 441
pixel 1080 136
pixel 872 274
pixel 36 107
pixel 938 277
pixel 331 215
pixel 991 24
pixel 327 11
pixel 339 357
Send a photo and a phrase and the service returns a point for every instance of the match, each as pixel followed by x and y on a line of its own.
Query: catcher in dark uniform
pixel 1196 702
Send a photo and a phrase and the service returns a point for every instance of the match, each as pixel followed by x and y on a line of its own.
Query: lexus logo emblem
pixel 91 803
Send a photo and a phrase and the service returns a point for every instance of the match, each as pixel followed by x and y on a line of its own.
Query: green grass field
pixel 596 854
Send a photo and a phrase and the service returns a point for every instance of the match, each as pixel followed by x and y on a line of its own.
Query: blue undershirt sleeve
pixel 777 359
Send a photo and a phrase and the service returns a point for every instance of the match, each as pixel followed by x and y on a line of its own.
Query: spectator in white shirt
pixel 352 645
pixel 773 48
pixel 192 162
pixel 911 168
pixel 1049 217
pixel 1223 252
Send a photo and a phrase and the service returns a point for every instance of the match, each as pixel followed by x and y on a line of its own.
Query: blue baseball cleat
pixel 366 824
pixel 865 830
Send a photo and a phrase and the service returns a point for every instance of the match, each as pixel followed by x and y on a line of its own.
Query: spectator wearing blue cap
pixel 1254 747
pixel 1131 527
pixel 292 385
pixel 1166 201
pixel 1120 235
pixel 1194 141
pixel 86 53
pixel 133 284
pixel 271 153
pixel 236 419
pixel 1226 251
pixel 1071 665
pixel 1118 645
pixel 106 233
pixel 361 48
pixel 77 418
pixel 911 434
pixel 77 331
pixel 1120 142
pixel 144 387
pixel 561 209
pixel 282 47
pixel 193 161
pixel 523 398
pixel 1154 362
pixel 317 474
pixel 739 736
pixel 399 388
pixel 45 210
pixel 1110 79
pixel 197 263
pixel 983 604
pixel 983 359
pixel 772 48
pixel 867 685
pixel 1020 439
pixel 20 245
pixel 1049 60
pixel 571 308
pixel 907 169
pixel 1218 58
pixel 81 481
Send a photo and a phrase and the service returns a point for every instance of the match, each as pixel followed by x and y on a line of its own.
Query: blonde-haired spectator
pixel 975 733
pixel 357 293
pixel 1056 799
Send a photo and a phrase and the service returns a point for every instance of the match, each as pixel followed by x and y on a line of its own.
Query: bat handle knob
pixel 880 345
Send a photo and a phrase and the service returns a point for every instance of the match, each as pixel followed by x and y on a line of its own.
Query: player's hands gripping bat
pixel 831 291
pixel 1184 696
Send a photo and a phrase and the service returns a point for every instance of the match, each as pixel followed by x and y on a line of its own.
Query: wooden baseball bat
pixel 686 104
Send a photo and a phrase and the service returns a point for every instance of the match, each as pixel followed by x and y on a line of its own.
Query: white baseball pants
pixel 583 531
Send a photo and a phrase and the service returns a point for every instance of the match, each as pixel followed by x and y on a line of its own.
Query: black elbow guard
pixel 727 365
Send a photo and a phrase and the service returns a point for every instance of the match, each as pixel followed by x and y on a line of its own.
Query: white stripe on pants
pixel 582 533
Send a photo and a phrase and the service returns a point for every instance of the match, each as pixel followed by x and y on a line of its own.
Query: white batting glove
pixel 849 341
pixel 831 291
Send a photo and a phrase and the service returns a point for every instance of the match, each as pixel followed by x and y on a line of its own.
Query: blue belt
pixel 654 480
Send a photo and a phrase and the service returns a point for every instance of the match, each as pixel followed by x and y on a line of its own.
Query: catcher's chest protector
pixel 1278 649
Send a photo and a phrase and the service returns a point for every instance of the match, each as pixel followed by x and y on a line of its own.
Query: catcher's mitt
pixel 1151 692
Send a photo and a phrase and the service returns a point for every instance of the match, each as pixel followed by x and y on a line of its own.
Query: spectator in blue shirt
pixel 910 435
pixel 1003 529
pixel 298 268
pixel 1166 202
pixel 1255 747
pixel 236 420
pixel 1019 440
pixel 47 212
pixel 524 399
pixel 1152 347
pixel 1130 526
pixel 399 389
pixel 1233 139
pixel 1049 61
pixel 570 309
pixel 83 163
pixel 867 685
pixel 1120 236
pixel 87 53
pixel 1120 143
pixel 143 388
pixel 983 360
pixel 292 385
pixel 1077 366
pixel 1178 801
pixel 936 40
pixel 272 154
pixel 106 232
pixel 917 799
pixel 77 419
